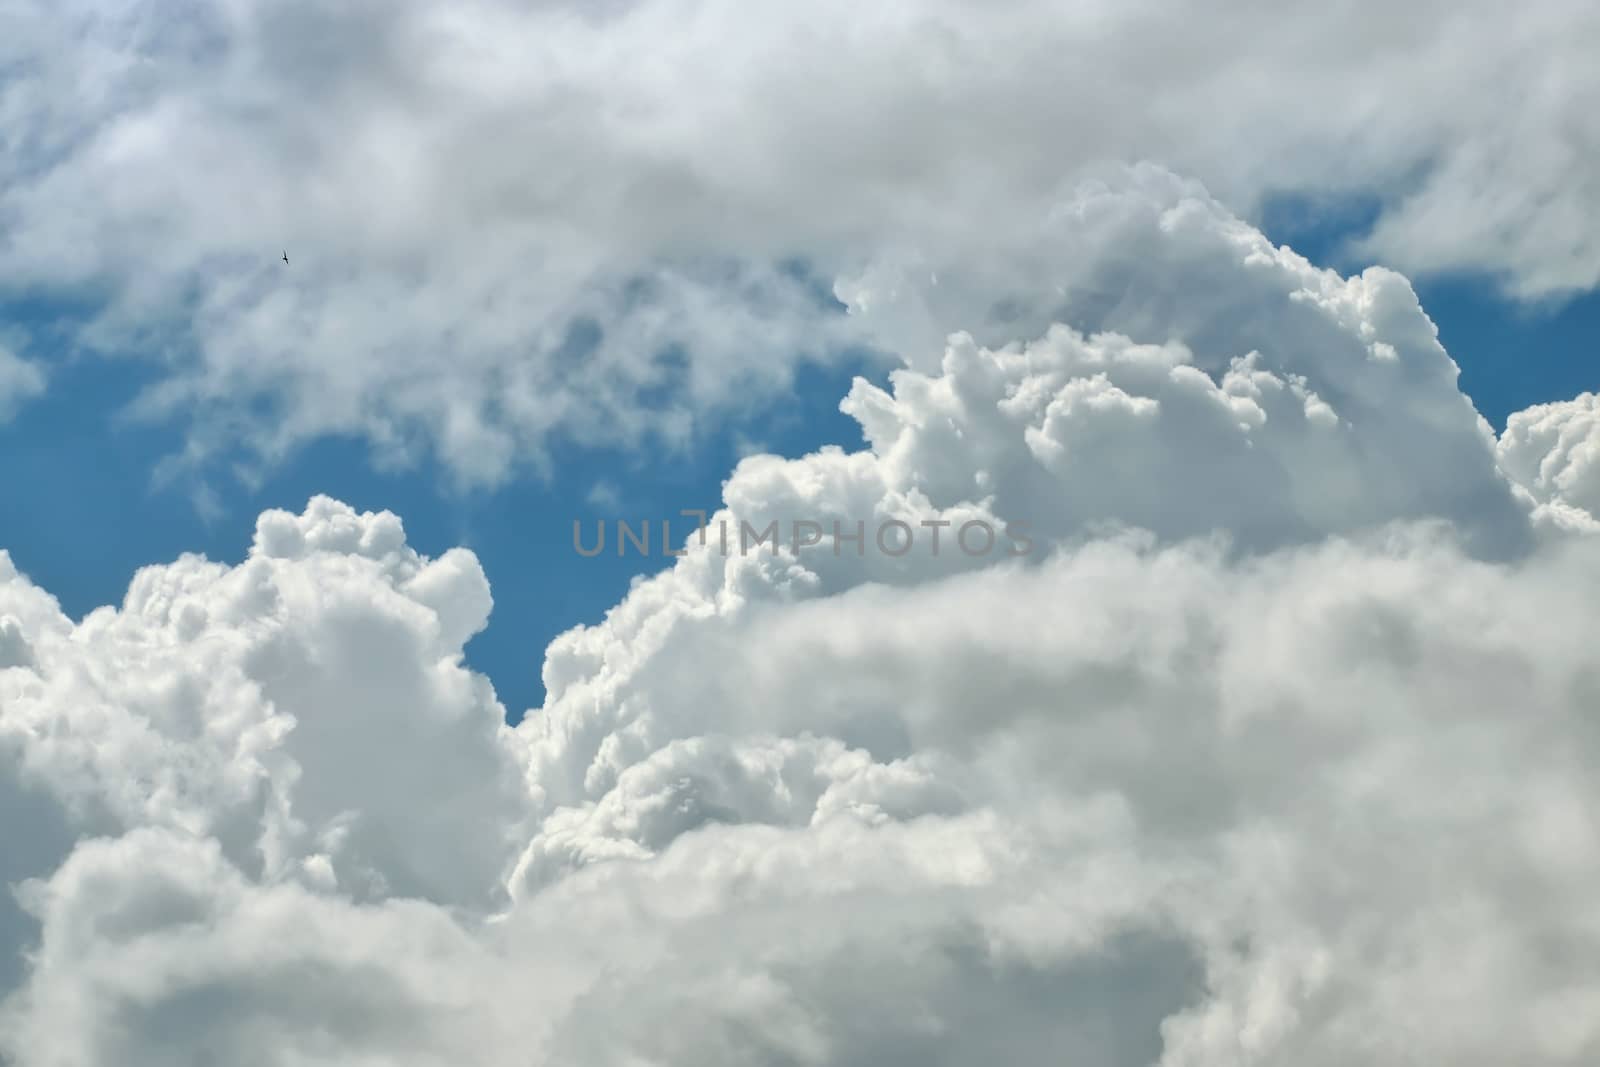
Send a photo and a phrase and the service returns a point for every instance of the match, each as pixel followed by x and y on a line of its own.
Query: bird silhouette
pixel 286 257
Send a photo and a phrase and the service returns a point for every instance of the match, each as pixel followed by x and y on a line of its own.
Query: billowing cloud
pixel 240 704
pixel 507 221
pixel 1553 450
pixel 1276 748
pixel 1327 805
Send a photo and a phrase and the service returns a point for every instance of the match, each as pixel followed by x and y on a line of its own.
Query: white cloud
pixel 20 381
pixel 464 188
pixel 603 494
pixel 1324 806
pixel 1553 450
pixel 1349 778
pixel 1280 751
pixel 1224 383
pixel 242 704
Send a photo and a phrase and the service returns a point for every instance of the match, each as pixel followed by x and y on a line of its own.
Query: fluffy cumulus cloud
pixel 236 705
pixel 1553 450
pixel 507 221
pixel 1275 748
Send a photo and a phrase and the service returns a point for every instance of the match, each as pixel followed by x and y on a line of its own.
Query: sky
pixel 1275 330
pixel 75 455
pixel 75 450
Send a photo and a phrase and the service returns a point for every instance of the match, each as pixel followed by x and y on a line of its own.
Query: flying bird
pixel 286 256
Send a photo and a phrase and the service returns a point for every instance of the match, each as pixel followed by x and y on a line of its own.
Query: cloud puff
pixel 511 221
pixel 20 381
pixel 1212 381
pixel 1553 450
pixel 239 704
pixel 1277 750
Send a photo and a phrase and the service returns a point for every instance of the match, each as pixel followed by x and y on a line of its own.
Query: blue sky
pixel 84 512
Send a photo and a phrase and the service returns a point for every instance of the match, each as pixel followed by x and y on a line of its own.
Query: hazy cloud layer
pixel 509 220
